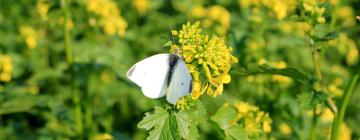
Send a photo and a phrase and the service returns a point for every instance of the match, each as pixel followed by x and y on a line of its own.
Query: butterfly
pixel 160 75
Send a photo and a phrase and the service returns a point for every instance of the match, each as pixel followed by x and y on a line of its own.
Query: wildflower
pixel 315 11
pixel 42 9
pixel 327 115
pixel 184 103
pixel 347 47
pixel 207 57
pixel 6 68
pixel 29 35
pixel 141 6
pixel 346 15
pixel 216 17
pixel 110 19
pixel 285 129
pixel 255 120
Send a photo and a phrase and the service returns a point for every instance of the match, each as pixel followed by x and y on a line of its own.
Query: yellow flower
pixel 255 120
pixel 285 129
pixel 207 56
pixel 327 115
pixel 216 17
pixel 197 12
pixel 141 6
pixel 346 15
pixel 110 19
pixel 42 9
pixel 29 35
pixel 6 68
pixel 280 9
pixel 345 132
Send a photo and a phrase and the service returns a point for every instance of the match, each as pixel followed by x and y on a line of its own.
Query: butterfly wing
pixel 180 82
pixel 151 75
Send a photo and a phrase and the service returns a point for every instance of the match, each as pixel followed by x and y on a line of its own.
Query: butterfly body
pixel 160 75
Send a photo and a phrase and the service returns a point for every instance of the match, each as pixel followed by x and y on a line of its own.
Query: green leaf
pixel 236 132
pixel 183 124
pixel 295 74
pixel 310 100
pixel 151 120
pixel 162 125
pixel 167 44
pixel 222 117
pixel 20 104
pixel 320 33
pixel 194 116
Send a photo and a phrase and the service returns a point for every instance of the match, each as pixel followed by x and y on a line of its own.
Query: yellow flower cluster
pixel 209 59
pixel 280 8
pixel 42 9
pixel 110 19
pixel 346 15
pixel 6 68
pixel 315 11
pixel 29 35
pixel 255 120
pixel 184 103
pixel 347 47
pixel 285 129
pixel 215 16
pixel 141 6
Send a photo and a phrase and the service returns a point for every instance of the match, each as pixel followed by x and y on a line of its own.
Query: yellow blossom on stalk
pixel 110 19
pixel 314 10
pixel 327 115
pixel 255 120
pixel 141 6
pixel 346 15
pixel 285 129
pixel 197 12
pixel 216 17
pixel 42 9
pixel 347 47
pixel 6 68
pixel 205 56
pixel 29 35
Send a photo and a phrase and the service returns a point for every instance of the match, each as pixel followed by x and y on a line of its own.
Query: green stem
pixel 316 61
pixel 334 16
pixel 69 59
pixel 344 102
pixel 314 123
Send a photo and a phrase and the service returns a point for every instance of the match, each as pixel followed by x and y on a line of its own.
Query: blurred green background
pixel 45 96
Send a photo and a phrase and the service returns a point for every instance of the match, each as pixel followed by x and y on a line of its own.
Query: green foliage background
pixel 49 98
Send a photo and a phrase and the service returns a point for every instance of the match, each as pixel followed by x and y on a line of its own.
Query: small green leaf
pixel 223 117
pixel 151 120
pixel 310 100
pixel 331 35
pixel 162 125
pixel 183 123
pixel 19 104
pixel 167 44
pixel 236 132
pixel 194 116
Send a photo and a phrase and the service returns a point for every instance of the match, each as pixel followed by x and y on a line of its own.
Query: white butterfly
pixel 162 74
